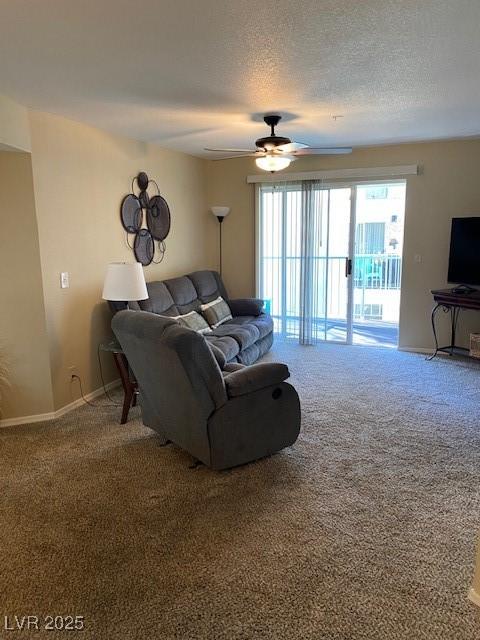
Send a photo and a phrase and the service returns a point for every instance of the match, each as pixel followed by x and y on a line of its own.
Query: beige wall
pixel 80 177
pixel 448 186
pixel 14 127
pixel 23 336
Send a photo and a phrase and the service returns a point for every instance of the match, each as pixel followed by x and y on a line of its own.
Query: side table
pixel 452 301
pixel 129 384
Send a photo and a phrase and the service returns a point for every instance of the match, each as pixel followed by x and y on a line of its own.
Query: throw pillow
pixel 216 312
pixel 193 320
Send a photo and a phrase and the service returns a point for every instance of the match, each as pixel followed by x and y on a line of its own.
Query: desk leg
pixel 455 312
pixel 127 384
pixel 434 329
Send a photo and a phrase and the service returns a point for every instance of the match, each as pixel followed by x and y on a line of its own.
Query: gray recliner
pixel 222 419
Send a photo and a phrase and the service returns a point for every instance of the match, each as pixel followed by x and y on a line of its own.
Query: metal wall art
pixel 149 240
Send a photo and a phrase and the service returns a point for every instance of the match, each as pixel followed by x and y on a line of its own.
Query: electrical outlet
pixel 72 371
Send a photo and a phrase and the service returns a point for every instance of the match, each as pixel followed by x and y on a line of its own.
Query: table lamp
pixel 124 283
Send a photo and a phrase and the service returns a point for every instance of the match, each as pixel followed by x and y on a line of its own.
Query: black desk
pixel 452 303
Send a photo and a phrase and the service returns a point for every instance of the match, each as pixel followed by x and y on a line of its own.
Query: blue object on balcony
pixel 268 305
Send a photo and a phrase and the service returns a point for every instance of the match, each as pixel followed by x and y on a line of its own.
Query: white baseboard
pixel 474 597
pixel 417 350
pixel 53 415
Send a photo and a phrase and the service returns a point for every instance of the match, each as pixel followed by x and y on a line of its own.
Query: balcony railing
pixel 372 274
pixel 377 271
pixel 371 270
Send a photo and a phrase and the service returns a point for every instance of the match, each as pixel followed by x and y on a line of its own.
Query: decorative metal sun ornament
pixel 149 239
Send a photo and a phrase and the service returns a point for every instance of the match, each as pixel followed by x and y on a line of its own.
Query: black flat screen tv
pixel 464 263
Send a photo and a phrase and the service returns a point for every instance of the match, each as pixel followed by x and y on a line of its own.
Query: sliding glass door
pixel 379 214
pixel 303 261
pixel 329 260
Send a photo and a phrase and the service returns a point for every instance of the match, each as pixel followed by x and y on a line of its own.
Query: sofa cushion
pixel 245 335
pixel 216 312
pixel 217 354
pixel 207 285
pixel 249 355
pixel 227 345
pixel 183 293
pixel 264 344
pixel 263 323
pixel 240 320
pixel 159 300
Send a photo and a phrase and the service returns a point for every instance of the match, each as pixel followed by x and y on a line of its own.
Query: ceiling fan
pixel 274 153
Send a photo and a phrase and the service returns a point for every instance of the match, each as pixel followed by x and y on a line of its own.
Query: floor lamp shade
pixel 124 282
pixel 220 212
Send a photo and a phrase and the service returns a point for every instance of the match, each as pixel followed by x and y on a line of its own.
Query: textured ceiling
pixel 189 74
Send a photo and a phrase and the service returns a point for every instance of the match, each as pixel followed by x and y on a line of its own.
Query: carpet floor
pixel 364 529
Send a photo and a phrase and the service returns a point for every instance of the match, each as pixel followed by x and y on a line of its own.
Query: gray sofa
pixel 243 339
pixel 223 418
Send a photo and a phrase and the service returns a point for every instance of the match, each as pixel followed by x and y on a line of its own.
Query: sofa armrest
pixel 231 367
pixel 255 377
pixel 246 306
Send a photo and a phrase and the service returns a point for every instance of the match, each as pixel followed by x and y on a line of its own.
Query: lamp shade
pixel 273 162
pixel 124 282
pixel 220 212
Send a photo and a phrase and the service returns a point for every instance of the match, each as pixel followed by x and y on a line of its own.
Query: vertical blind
pixel 296 268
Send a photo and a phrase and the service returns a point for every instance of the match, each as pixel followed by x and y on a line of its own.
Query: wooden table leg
pixel 129 387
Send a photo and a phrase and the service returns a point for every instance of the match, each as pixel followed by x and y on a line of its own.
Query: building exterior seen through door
pixel 355 256
pixel 377 268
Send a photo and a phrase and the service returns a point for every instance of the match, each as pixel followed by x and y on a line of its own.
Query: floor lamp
pixel 220 213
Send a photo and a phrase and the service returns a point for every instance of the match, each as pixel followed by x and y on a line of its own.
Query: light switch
pixel 417 257
pixel 64 280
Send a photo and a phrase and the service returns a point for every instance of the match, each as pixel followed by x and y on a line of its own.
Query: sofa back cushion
pixel 208 285
pixel 179 296
pixel 159 300
pixel 183 293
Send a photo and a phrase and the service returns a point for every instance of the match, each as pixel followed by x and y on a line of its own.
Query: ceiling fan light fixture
pixel 273 163
pixel 270 149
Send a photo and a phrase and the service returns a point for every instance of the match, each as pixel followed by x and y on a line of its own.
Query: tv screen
pixel 464 263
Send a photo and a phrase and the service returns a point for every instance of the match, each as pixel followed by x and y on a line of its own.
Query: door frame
pixel 351 257
pixel 335 184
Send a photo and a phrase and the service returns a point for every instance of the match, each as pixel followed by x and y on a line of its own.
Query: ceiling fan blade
pixel 230 150
pixel 238 155
pixel 323 151
pixel 291 147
